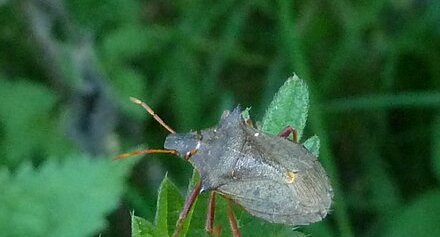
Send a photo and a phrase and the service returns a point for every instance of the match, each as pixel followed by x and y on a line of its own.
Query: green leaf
pixel 169 203
pixel 289 107
pixel 312 144
pixel 420 218
pixel 71 198
pixel 141 227
pixel 245 114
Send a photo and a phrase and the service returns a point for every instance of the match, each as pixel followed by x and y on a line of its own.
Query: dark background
pixel 67 69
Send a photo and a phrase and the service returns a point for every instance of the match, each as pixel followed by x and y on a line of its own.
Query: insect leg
pixel 287 131
pixel 189 203
pixel 233 221
pixel 211 213
pixel 209 227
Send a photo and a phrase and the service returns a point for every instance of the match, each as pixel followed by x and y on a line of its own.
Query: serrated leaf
pixel 289 107
pixel 71 198
pixel 169 203
pixel 141 227
pixel 312 144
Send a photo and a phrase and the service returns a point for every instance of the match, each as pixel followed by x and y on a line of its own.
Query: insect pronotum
pixel 271 177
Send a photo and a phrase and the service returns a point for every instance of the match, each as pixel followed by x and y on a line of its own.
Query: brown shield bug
pixel 271 177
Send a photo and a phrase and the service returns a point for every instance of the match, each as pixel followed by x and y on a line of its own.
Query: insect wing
pixel 279 181
pixel 296 203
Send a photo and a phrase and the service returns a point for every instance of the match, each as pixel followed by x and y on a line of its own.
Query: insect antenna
pixel 147 151
pixel 151 111
pixel 160 121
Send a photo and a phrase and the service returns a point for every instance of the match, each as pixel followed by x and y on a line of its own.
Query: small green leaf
pixel 161 219
pixel 312 144
pixel 245 114
pixel 289 107
pixel 141 227
pixel 169 203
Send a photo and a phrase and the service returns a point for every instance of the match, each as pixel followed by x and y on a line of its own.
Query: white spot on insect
pixel 233 174
pixel 256 134
pixel 198 145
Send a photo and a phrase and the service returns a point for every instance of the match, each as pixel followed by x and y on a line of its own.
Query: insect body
pixel 269 176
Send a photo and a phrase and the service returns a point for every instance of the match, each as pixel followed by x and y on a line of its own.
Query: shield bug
pixel 271 177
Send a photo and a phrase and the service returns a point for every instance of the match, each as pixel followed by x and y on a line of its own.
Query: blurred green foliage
pixel 68 67
pixel 68 199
